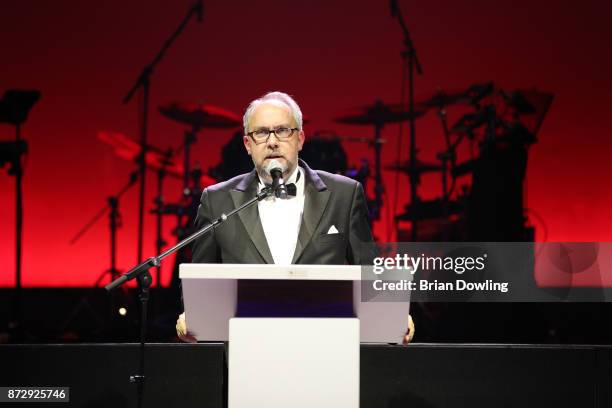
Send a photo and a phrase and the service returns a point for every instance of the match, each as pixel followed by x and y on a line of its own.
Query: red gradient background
pixel 331 56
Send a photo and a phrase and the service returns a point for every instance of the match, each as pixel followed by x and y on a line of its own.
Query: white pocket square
pixel 332 230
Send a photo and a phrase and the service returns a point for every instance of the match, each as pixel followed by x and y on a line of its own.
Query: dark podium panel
pixel 417 376
pixel 178 375
pixel 426 376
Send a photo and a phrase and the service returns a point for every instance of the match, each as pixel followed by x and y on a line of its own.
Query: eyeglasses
pixel 262 135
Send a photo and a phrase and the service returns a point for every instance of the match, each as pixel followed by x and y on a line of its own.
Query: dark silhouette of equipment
pixel 15 106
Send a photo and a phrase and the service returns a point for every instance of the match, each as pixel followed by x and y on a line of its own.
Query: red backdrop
pixel 331 56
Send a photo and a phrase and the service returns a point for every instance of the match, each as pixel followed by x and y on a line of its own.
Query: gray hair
pixel 274 98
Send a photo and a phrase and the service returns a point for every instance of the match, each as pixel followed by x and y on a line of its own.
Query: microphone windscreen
pixel 275 165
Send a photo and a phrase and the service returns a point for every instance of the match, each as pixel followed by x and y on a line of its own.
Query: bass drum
pixel 325 154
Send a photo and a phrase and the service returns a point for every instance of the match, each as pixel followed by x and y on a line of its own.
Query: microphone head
pixel 273 166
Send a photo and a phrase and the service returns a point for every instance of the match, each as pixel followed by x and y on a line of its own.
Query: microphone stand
pixel 15 106
pixel 411 60
pixel 143 81
pixel 141 272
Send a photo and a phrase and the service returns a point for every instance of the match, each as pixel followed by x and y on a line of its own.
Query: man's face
pixel 271 116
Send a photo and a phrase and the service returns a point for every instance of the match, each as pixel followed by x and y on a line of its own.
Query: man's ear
pixel 301 139
pixel 247 144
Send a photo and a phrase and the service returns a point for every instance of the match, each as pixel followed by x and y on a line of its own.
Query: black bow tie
pixel 291 189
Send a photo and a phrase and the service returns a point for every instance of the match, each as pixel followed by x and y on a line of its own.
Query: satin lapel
pixel 250 219
pixel 315 203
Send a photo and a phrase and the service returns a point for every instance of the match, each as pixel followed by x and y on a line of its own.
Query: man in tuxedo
pixel 323 221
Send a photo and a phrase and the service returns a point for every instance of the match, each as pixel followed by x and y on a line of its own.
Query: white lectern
pixel 286 361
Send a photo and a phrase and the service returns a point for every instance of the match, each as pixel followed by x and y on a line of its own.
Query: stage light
pixel 122 311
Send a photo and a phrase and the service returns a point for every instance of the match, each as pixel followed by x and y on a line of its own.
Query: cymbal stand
pixel 379 188
pixel 114 216
pixel 411 60
pixel 196 192
pixel 159 212
pixel 144 81
pixel 446 156
pixel 191 184
pixel 104 210
pixel 491 125
pixel 190 138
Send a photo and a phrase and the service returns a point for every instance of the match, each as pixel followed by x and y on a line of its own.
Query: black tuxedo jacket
pixel 330 199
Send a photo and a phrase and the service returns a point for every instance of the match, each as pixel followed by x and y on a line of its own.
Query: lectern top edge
pixel 267 271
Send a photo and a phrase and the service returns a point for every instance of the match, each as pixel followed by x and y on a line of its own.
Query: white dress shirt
pixel 281 219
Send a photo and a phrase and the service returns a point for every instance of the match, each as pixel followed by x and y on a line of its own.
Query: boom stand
pixel 144 81
pixel 141 272
pixel 411 60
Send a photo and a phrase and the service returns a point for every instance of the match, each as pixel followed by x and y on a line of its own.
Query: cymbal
pixel 470 121
pixel 200 115
pixel 478 92
pixel 430 209
pixel 333 136
pixel 156 158
pixel 128 149
pixel 378 114
pixel 528 101
pixel 420 167
pixel 532 107
pixel 470 96
pixel 119 141
pixel 519 103
pixel 441 98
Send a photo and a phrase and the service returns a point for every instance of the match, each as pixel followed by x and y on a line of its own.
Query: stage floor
pixel 419 375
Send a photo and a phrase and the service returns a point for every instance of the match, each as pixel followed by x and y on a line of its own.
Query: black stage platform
pixel 78 315
pixel 417 376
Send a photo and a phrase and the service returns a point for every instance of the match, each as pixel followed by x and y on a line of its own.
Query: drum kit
pixel 496 119
pixel 490 122
pixel 165 163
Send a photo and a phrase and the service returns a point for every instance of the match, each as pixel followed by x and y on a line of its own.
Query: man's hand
pixel 410 332
pixel 181 330
pixel 186 336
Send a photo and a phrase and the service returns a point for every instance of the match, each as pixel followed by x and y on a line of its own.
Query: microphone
pixel 393 5
pixel 275 170
pixel 200 9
